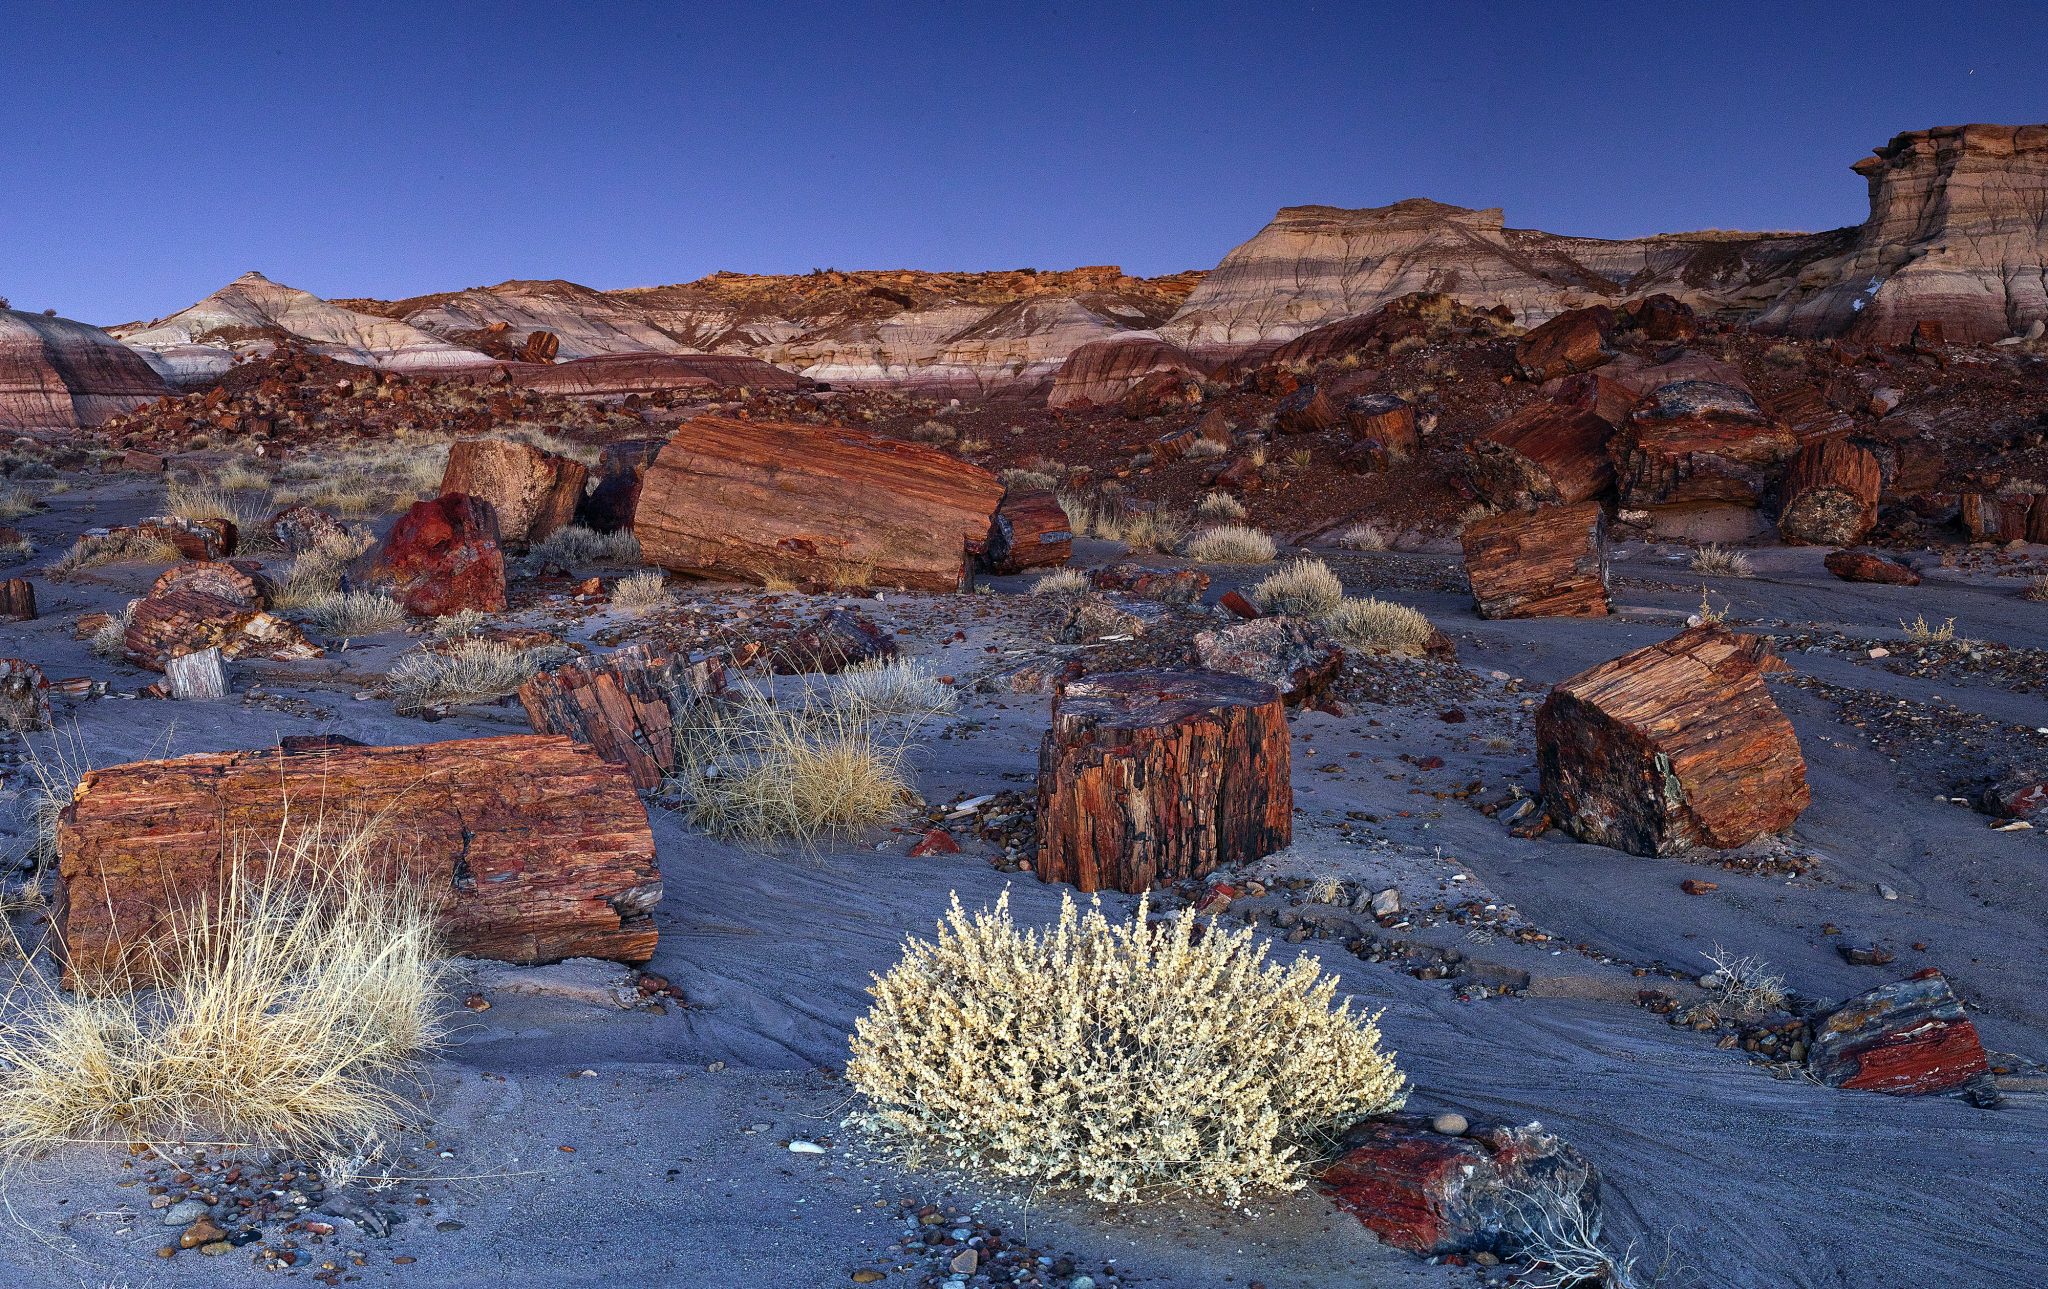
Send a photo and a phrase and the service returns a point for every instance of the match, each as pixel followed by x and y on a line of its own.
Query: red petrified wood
pixel 1546 454
pixel 762 500
pixel 1159 775
pixel 442 557
pixel 17 599
pixel 180 621
pixel 623 705
pixel 1830 495
pixel 1909 1038
pixel 1031 531
pixel 532 493
pixel 538 849
pixel 1675 745
pixel 1547 563
pixel 1869 566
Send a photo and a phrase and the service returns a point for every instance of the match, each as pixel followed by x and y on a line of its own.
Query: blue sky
pixel 151 153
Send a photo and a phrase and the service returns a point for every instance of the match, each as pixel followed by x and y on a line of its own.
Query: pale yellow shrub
pixel 1363 537
pixel 1379 626
pixel 1304 587
pixel 348 614
pixel 647 589
pixel 1719 561
pixel 466 671
pixel 1219 508
pixel 1122 1060
pixel 121 546
pixel 1231 544
pixel 1061 581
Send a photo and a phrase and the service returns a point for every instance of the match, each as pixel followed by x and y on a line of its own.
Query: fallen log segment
pixel 535 848
pixel 813 504
pixel 18 599
pixel 181 621
pixel 1546 454
pixel 1031 530
pixel 1908 1038
pixel 1160 775
pixel 1830 495
pixel 1547 563
pixel 1698 441
pixel 624 705
pixel 238 581
pixel 532 493
pixel 1673 746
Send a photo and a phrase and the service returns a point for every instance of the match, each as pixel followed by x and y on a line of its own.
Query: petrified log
pixel 1675 745
pixel 1166 585
pixel 532 493
pixel 24 696
pixel 624 705
pixel 2018 793
pixel 212 538
pixel 1548 563
pixel 1869 566
pixel 761 500
pixel 1307 410
pixel 1830 495
pixel 17 599
pixel 238 581
pixel 442 557
pixel 1173 445
pixel 1909 1038
pixel 1215 427
pixel 1160 393
pixel 840 639
pixel 1544 455
pixel 196 677
pixel 1295 656
pixel 1151 775
pixel 1385 425
pixel 1431 1193
pixel 1805 411
pixel 540 347
pixel 2037 520
pixel 536 848
pixel 1661 317
pixel 300 528
pixel 1031 530
pixel 182 621
pixel 1990 517
pixel 608 506
pixel 1573 341
pixel 1698 441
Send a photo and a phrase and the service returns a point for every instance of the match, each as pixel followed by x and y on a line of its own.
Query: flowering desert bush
pixel 1124 1060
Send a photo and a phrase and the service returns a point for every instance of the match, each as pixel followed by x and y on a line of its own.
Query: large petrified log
pixel 182 621
pixel 442 556
pixel 17 599
pixel 1547 563
pixel 1908 1038
pixel 1698 441
pixel 1573 341
pixel 1830 495
pixel 1675 745
pixel 1544 455
pixel 762 500
pixel 1031 530
pixel 1870 566
pixel 1384 425
pixel 1151 775
pixel 624 705
pixel 532 493
pixel 536 849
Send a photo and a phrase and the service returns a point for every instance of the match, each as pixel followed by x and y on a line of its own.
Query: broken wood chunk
pixel 1830 495
pixel 24 697
pixel 18 599
pixel 1546 454
pixel 1031 530
pixel 196 677
pixel 532 493
pixel 1546 563
pixel 624 705
pixel 182 621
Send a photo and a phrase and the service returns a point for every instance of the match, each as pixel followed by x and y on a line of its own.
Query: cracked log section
pixel 817 505
pixel 623 705
pixel 1674 746
pixel 1549 563
pixel 1830 495
pixel 1547 454
pixel 1161 775
pixel 536 849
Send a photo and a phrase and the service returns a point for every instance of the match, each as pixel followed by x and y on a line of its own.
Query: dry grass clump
pixel 1379 626
pixel 122 546
pixel 466 671
pixel 1303 587
pixel 647 589
pixel 364 478
pixel 2037 589
pixel 291 1005
pixel 1113 520
pixel 1113 1058
pixel 1363 537
pixel 349 614
pixel 934 432
pixel 892 689
pixel 575 545
pixel 213 501
pixel 1719 561
pixel 317 572
pixel 1920 632
pixel 1206 449
pixel 1745 985
pixel 1019 479
pixel 1231 544
pixel 111 638
pixel 1219 508
pixel 239 476
pixel 1061 581
pixel 16 501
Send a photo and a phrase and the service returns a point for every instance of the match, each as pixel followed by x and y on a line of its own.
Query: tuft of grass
pixel 111 640
pixel 1061 581
pixel 466 671
pixel 1719 561
pixel 1919 632
pixel 642 591
pixel 1302 587
pixel 317 572
pixel 1206 450
pixel 1219 508
pixel 1743 986
pixel 122 546
pixel 349 614
pixel 1019 479
pixel 239 476
pixel 891 689
pixel 576 545
pixel 1379 626
pixel 285 1009
pixel 1109 519
pixel 1014 1051
pixel 1231 544
pixel 2037 589
pixel 934 432
pixel 213 501
pixel 1363 537
pixel 16 501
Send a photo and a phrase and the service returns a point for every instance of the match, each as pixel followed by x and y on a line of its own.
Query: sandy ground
pixel 679 1173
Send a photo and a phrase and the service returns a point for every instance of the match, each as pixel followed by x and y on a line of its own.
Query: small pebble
pixel 1450 1124
pixel 805 1148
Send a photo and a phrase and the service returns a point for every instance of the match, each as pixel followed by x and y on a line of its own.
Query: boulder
pixel 1909 1038
pixel 1869 566
pixel 442 557
pixel 532 493
pixel 2018 793
pixel 1295 656
pixel 1384 425
pixel 1308 410
pixel 1573 341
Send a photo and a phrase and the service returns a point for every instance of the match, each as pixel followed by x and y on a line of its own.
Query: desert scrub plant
pixel 1061 581
pixel 934 432
pixel 753 769
pixel 285 1008
pixel 1363 537
pixel 211 501
pixel 1303 587
pixel 1560 1238
pixel 348 614
pixel 317 571
pixel 891 689
pixel 239 476
pixel 1219 508
pixel 1206 450
pixel 1920 632
pixel 1742 985
pixel 110 638
pixel 1019 479
pixel 1719 561
pixel 16 501
pixel 1379 626
pixel 1113 1058
pixel 466 670
pixel 2037 589
pixel 1230 544
pixel 121 546
pixel 642 591
pixel 574 545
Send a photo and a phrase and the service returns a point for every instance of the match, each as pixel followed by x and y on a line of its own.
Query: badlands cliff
pixel 59 374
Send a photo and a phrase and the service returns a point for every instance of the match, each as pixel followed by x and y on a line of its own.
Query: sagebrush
pixel 1230 544
pixel 1302 587
pixel 1379 626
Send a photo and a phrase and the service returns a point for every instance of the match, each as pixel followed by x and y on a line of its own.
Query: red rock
pixel 442 557
pixel 135 461
pixel 937 841
pixel 213 538
pixel 840 639
pixel 1385 426
pixel 1236 602
pixel 1101 372
pixel 1546 454
pixel 1167 585
pixel 1031 530
pixel 623 705
pixel 1868 566
pixel 1573 341
pixel 1660 317
pixel 2018 794
pixel 1909 1038
pixel 1549 562
pixel 540 347
pixel 1432 1194
pixel 1160 393
pixel 531 493
pixel 1307 410
pixel 1694 886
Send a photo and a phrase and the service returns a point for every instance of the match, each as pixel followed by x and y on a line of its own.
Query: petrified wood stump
pixel 532 493
pixel 24 696
pixel 1307 410
pixel 1573 341
pixel 238 581
pixel 17 599
pixel 1385 425
pixel 761 500
pixel 1031 530
pixel 1544 455
pixel 1675 745
pixel 1830 495
pixel 1548 563
pixel 623 705
pixel 1698 441
pixel 181 621
pixel 537 849
pixel 1151 775
pixel 196 677
pixel 212 538
pixel 442 557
